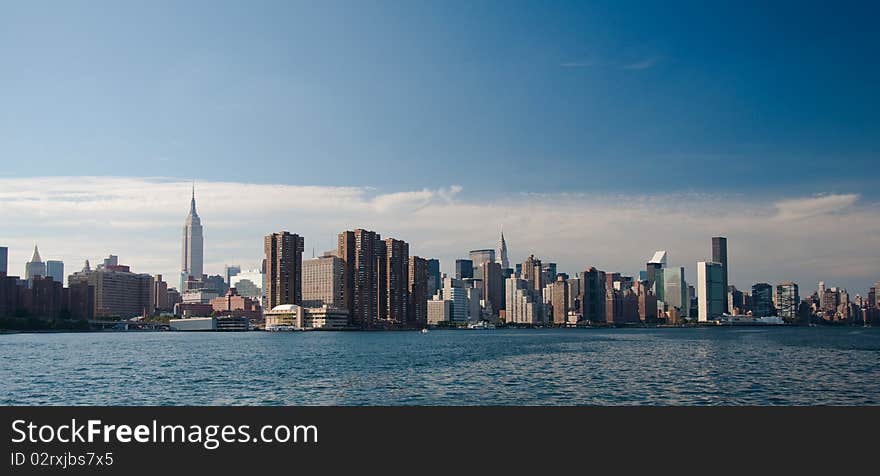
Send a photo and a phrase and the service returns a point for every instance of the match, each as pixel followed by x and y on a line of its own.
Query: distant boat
pixel 481 325
pixel 281 328
pixel 424 330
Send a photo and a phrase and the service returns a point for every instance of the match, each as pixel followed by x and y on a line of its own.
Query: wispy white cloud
pixel 831 237
pixel 803 208
pixel 643 64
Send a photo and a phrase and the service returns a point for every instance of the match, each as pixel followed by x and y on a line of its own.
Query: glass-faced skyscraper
pixel 719 255
pixel 675 289
pixel 4 256
pixel 787 300
pixel 192 252
pixel 710 291
pixel 762 300
pixel 55 270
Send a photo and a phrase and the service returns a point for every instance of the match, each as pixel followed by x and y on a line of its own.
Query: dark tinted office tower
pixel 395 281
pixel 283 268
pixel 762 300
pixel 652 270
pixel 4 257
pixel 593 295
pixel 464 269
pixel 736 300
pixel 719 255
pixel 418 291
pixel 433 276
pixel 362 251
pixel 493 286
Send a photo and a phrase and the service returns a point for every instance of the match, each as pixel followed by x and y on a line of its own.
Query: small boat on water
pixel 281 328
pixel 424 330
pixel 482 325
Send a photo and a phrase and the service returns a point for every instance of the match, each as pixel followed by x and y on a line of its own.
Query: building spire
pixel 36 258
pixel 502 251
pixel 192 204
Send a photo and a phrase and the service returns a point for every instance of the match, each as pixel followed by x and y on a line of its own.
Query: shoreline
pixel 598 327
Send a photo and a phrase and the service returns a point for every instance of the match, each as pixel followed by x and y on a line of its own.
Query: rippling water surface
pixel 738 366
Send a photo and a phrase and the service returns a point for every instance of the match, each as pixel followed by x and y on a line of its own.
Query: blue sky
pixel 759 122
pixel 532 96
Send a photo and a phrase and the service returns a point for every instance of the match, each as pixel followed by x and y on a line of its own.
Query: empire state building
pixel 192 256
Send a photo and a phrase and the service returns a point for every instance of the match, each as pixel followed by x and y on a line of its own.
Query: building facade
pixel 283 252
pixel 323 281
pixel 362 251
pixel 719 255
pixel 119 293
pixel 418 291
pixel 394 282
pixel 192 253
pixel 55 270
pixel 711 293
pixel 35 267
pixel 787 300
pixel 464 269
pixel 762 300
pixel 559 301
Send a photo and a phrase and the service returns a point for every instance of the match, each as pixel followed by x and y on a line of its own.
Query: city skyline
pixel 593 132
pixel 605 248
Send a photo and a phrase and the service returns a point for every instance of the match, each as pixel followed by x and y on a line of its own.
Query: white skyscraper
pixel 710 290
pixel 193 253
pixel 502 253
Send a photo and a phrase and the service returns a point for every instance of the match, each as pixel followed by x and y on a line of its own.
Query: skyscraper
pixel 533 272
pixel 433 276
pixel 394 282
pixel 35 267
pixel 192 255
pixel 787 300
pixel 229 271
pixel 454 291
pixel 762 300
pixel 719 255
pixel 493 287
pixel 711 293
pixel 479 258
pixel 593 295
pixel 4 259
pixel 502 252
pixel 283 252
pixel 362 250
pixel 464 269
pixel 323 282
pixel 55 270
pixel 559 301
pixel 418 291
pixel 653 273
pixel 675 289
